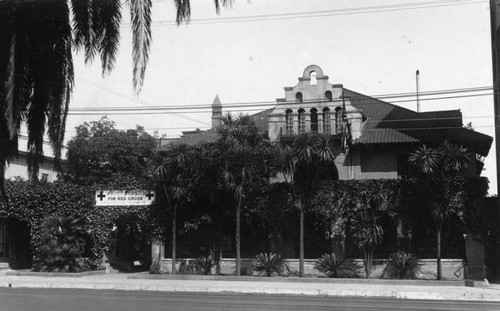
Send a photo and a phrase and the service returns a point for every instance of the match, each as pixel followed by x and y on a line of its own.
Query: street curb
pixel 52 274
pixel 144 276
pixel 230 288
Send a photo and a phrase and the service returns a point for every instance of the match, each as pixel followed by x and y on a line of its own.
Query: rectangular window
pixel 45 177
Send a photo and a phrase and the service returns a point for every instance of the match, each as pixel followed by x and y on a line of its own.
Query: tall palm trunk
pixel 174 240
pixel 301 246
pixel 368 261
pixel 439 273
pixel 238 225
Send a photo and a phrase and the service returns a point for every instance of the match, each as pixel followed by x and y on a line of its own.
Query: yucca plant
pixel 337 266
pixel 402 265
pixel 269 263
pixel 204 264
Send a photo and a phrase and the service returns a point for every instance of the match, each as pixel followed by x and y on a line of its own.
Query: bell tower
pixel 216 112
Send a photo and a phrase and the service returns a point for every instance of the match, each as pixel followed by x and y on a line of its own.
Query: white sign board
pixel 124 198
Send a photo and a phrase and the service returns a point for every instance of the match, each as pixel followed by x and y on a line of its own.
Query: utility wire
pixel 321 13
pixel 269 104
pixel 174 110
pixel 134 99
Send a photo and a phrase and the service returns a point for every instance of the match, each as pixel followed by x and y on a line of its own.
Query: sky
pixel 255 48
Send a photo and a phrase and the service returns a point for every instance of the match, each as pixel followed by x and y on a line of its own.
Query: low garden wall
pixel 452 269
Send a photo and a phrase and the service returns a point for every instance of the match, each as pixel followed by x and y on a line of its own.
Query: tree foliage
pixel 101 154
pixel 245 156
pixel 172 175
pixel 36 65
pixel 441 163
pixel 305 161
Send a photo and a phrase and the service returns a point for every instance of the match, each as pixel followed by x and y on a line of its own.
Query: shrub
pixel 62 245
pixel 267 264
pixel 204 264
pixel 187 267
pixel 402 265
pixel 337 266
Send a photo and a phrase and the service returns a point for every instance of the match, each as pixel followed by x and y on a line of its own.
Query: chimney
pixel 216 112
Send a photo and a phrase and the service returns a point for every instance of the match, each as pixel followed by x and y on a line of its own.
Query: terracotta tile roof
pixel 261 120
pixel 385 123
pixel 196 137
pixel 388 123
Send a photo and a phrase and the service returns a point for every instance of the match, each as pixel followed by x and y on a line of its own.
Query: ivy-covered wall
pixel 34 202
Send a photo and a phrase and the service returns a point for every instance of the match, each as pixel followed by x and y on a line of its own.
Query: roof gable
pixel 389 123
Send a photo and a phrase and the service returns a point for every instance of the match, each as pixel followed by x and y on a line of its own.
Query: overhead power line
pixel 260 105
pixel 322 13
pixel 135 99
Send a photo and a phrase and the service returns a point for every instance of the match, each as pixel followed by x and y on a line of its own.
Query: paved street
pixel 78 300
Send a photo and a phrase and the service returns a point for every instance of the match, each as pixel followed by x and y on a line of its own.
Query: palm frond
pixel 110 14
pixel 62 84
pixel 337 266
pixel 140 14
pixel 269 263
pixel 402 265
pixel 180 155
pixel 81 22
pixel 324 148
pixel 366 231
pixel 204 264
pixel 225 3
pixel 286 160
pixel 183 11
pixel 426 159
pixel 303 147
pixel 455 158
pixel 159 173
pixel 50 68
pixel 86 27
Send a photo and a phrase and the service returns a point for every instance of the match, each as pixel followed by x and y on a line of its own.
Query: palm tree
pixel 36 65
pixel 444 163
pixel 240 145
pixel 304 164
pixel 367 232
pixel 171 174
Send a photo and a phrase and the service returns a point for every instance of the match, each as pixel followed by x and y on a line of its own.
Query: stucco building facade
pixel 374 137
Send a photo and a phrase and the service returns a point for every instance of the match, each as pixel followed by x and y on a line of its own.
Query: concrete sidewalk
pixel 311 287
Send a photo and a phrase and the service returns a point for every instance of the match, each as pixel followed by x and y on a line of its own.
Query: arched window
pixel 302 121
pixel 328 95
pixel 313 80
pixel 327 125
pixel 298 97
pixel 338 120
pixel 314 120
pixel 289 121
